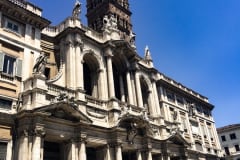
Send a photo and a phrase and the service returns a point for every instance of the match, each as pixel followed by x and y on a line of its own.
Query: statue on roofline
pixel 41 61
pixel 76 10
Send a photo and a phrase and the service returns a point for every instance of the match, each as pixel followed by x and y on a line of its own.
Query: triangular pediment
pixel 65 111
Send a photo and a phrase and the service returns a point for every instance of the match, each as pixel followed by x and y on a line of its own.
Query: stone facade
pixel 78 94
pixel 229 138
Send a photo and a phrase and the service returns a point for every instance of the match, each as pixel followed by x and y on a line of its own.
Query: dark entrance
pixel 129 155
pixel 51 151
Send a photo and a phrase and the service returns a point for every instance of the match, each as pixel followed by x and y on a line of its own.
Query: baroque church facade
pixel 75 92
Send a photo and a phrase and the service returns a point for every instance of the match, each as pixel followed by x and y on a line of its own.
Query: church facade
pixel 75 92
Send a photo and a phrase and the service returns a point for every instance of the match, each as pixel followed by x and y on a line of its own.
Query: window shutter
pixel 1 61
pixel 19 68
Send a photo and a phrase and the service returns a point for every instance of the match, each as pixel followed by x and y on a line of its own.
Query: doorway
pixel 51 151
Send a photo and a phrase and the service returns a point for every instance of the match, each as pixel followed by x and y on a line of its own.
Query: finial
pixel 147 56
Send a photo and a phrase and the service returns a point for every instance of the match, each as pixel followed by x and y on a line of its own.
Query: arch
pixel 146 90
pixel 91 77
pixel 120 67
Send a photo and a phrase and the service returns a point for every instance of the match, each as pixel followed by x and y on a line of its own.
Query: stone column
pixel 107 154
pixel 70 64
pixel 9 150
pixel 37 143
pixel 79 66
pixel 82 150
pixel 138 90
pixel 110 77
pixel 122 92
pixel 129 88
pixel 149 155
pixel 118 151
pixel 156 99
pixel 139 155
pixel 23 146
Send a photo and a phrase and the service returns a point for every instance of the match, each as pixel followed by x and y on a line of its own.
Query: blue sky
pixel 195 42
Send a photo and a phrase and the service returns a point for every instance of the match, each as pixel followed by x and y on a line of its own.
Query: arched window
pixel 119 77
pixel 145 93
pixel 91 75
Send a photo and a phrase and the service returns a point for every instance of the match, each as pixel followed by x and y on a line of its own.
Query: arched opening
pixel 145 94
pixel 91 75
pixel 119 77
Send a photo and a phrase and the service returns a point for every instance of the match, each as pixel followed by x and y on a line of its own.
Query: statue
pixel 76 10
pixel 132 37
pixel 109 23
pixel 39 66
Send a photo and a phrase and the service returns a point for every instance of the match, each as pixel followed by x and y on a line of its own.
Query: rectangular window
pixel 5 104
pixel 170 97
pixel 10 65
pixel 33 33
pixel 227 150
pixel 233 136
pixel 13 26
pixel 3 150
pixel 223 138
pixel 180 100
pixel 237 148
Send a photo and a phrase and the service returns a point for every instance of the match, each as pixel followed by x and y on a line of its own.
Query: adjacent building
pixel 229 137
pixel 76 92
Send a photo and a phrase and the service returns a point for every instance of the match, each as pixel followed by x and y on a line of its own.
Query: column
pixel 23 146
pixel 129 88
pixel 139 155
pixel 149 155
pixel 79 67
pixel 122 92
pixel 118 151
pixel 156 99
pixel 107 154
pixel 110 77
pixel 138 90
pixel 68 64
pixel 82 150
pixel 9 150
pixel 37 141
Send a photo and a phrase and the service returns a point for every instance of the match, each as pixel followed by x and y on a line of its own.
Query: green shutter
pixel 1 61
pixel 19 68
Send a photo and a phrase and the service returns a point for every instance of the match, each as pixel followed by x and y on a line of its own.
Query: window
pixel 223 138
pixel 227 150
pixel 5 104
pixel 233 136
pixel 33 33
pixel 3 150
pixel 180 100
pixel 10 65
pixel 170 97
pixel 12 26
pixel 237 147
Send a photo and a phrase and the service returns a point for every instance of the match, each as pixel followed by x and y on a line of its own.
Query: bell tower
pixel 97 9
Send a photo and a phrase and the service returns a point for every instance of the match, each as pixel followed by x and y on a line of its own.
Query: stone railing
pixel 56 90
pixel 6 77
pixel 28 6
pixel 180 86
pixel 95 101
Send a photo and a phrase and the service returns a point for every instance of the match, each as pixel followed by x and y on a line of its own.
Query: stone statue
pixel 76 10
pixel 39 66
pixel 132 37
pixel 109 23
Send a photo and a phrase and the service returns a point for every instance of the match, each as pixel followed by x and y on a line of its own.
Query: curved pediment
pixel 177 138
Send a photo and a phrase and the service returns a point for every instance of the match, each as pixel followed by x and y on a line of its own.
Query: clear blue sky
pixel 195 42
